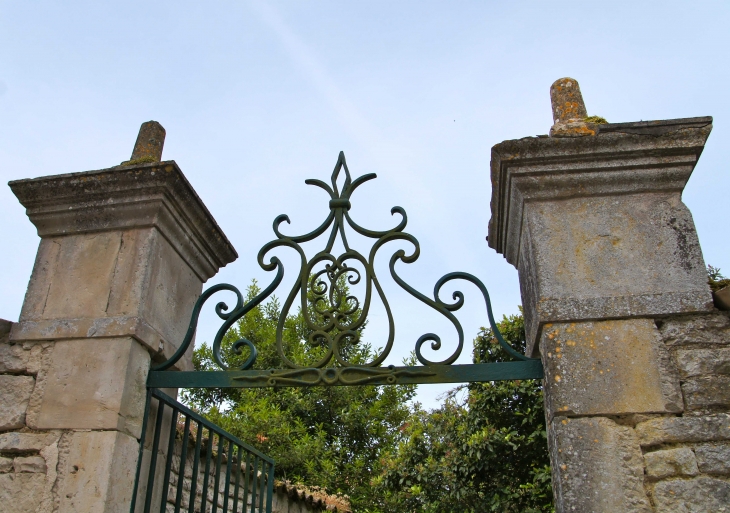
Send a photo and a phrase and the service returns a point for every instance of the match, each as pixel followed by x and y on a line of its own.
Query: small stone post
pixel 123 255
pixel 149 143
pixel 617 306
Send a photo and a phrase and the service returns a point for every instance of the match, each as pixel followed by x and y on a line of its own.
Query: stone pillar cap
pixel 622 158
pixel 124 197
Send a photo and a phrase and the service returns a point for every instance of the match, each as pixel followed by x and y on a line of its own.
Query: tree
pixel 333 437
pixel 485 449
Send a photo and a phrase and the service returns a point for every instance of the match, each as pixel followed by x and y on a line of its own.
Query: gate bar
pixel 474 373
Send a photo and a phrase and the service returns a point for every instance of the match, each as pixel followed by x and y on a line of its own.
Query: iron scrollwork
pixel 336 317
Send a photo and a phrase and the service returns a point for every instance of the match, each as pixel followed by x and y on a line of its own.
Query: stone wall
pixel 28 458
pixel 669 462
pixel 687 456
pixel 31 459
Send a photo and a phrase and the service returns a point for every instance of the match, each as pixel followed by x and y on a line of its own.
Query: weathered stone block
pixel 94 384
pixel 708 428
pixel 609 257
pixel 37 352
pixel 14 396
pixel 6 464
pixel 703 362
pixel 713 329
pixel 71 293
pixel 176 289
pixel 701 494
pixel 30 464
pixel 713 459
pixel 102 461
pixel 26 442
pixel 707 393
pixel 21 493
pixel 13 359
pixel 5 327
pixel 597 466
pixel 608 368
pixel 671 462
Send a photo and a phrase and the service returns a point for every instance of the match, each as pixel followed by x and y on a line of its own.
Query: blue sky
pixel 258 96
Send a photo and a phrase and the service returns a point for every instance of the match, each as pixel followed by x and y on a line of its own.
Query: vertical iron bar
pixel 254 484
pixel 261 486
pixel 217 481
pixel 270 497
pixel 247 472
pixel 183 464
pixel 153 457
pixel 168 463
pixel 196 461
pixel 141 449
pixel 236 487
pixel 208 456
pixel 227 486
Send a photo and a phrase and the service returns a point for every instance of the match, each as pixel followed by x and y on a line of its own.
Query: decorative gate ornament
pixel 336 317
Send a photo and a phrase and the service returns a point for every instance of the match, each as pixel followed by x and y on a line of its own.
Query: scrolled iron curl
pixel 338 215
pixel 231 317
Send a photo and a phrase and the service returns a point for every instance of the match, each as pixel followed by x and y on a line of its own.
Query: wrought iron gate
pixel 335 319
pixel 206 469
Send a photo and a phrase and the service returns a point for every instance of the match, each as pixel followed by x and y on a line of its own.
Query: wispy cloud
pixel 352 120
pixel 386 152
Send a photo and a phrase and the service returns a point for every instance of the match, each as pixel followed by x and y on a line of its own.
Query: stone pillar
pixel 123 255
pixel 617 305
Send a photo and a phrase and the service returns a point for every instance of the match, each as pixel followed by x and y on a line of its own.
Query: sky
pixel 258 96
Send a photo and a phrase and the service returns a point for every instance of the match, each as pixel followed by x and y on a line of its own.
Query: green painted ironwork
pixel 207 454
pixel 336 317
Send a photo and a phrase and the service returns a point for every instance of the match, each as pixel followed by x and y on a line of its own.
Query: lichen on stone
pixel 595 119
pixel 147 159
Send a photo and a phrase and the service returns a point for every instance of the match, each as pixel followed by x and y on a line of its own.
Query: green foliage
pixel 333 437
pixel 595 119
pixel 715 278
pixel 484 450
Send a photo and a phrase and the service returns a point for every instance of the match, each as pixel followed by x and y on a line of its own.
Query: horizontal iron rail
pixel 427 374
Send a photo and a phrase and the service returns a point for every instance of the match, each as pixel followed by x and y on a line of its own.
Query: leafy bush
pixel 484 452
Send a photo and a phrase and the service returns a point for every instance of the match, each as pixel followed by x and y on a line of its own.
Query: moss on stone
pixel 595 119
pixel 715 279
pixel 147 159
pixel 716 285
